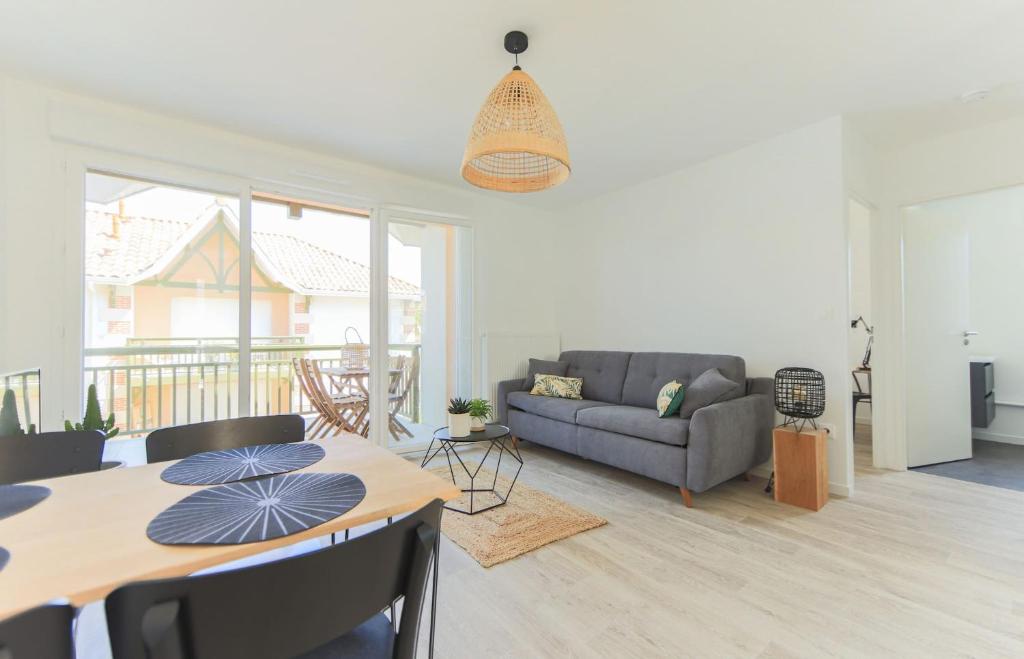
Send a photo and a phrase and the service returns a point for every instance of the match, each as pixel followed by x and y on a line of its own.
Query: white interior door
pixel 936 261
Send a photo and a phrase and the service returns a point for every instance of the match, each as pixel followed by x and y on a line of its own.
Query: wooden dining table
pixel 89 536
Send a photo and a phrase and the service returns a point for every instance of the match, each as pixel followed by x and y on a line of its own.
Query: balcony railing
pixel 151 385
pixel 25 385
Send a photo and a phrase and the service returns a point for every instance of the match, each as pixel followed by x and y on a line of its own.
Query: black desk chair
pixel 324 604
pixel 40 633
pixel 860 395
pixel 177 442
pixel 49 454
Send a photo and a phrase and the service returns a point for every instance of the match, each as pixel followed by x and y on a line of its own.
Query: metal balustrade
pixel 150 385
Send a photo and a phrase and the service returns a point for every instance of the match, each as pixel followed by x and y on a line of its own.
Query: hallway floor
pixel 994 463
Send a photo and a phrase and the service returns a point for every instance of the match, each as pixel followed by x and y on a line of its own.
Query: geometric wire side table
pixel 499 442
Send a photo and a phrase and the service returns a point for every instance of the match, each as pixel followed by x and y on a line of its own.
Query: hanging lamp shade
pixel 517 143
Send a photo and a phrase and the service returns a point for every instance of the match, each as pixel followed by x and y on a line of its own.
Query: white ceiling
pixel 642 88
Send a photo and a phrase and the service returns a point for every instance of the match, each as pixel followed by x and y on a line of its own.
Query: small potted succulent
pixel 458 417
pixel 480 411
pixel 94 421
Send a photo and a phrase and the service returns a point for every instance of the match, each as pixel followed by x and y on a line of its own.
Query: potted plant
pixel 458 417
pixel 94 417
pixel 9 422
pixel 94 421
pixel 480 410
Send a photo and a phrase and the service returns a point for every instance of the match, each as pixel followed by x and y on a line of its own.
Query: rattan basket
pixel 355 355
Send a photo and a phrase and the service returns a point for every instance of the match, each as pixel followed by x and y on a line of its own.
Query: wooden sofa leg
pixel 687 498
pixel 747 476
pixel 515 441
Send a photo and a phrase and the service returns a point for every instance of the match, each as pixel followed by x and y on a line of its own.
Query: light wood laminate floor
pixel 914 565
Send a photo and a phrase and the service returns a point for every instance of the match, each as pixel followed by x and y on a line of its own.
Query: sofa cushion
pixel 559 409
pixel 557 387
pixel 710 387
pixel 642 422
pixel 670 399
pixel 545 367
pixel 648 372
pixel 544 431
pixel 603 372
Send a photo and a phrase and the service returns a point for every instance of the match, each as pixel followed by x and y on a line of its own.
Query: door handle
pixel 968 333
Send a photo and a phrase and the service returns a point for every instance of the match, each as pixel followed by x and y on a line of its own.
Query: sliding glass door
pixel 161 304
pixel 173 333
pixel 311 322
pixel 428 325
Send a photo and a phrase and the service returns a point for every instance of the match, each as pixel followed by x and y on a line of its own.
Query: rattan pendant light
pixel 517 143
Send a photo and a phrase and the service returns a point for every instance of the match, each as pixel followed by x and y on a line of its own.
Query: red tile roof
pixel 147 245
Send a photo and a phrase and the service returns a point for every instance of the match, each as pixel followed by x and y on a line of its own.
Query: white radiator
pixel 506 356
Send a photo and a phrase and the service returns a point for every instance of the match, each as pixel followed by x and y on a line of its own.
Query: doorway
pixel 963 278
pixel 429 335
pixel 861 328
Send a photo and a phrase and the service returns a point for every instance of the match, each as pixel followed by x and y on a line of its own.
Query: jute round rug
pixel 530 519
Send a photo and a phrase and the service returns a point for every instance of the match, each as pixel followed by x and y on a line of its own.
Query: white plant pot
pixel 458 425
pixel 478 424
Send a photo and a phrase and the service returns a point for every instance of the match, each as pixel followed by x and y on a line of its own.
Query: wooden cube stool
pixel 801 467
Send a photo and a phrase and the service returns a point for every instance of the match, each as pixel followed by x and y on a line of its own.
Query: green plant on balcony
pixel 9 422
pixel 94 417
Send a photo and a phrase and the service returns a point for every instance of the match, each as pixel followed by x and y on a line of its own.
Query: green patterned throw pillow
pixel 670 399
pixel 557 387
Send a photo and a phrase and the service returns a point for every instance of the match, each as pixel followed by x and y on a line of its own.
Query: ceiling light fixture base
pixel 516 42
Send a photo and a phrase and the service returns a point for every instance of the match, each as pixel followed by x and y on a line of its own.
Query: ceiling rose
pixel 517 143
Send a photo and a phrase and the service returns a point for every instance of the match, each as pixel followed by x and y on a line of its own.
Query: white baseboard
pixel 838 489
pixel 997 437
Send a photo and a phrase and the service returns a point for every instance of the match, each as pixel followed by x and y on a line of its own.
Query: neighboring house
pixel 156 278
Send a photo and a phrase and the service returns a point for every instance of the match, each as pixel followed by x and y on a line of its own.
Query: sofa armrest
pixel 728 439
pixel 505 387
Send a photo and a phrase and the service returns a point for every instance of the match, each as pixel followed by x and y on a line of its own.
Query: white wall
pixel 744 254
pixel 860 292
pixel 963 162
pixel 47 136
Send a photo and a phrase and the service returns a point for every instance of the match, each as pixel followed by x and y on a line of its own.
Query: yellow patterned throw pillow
pixel 670 399
pixel 557 387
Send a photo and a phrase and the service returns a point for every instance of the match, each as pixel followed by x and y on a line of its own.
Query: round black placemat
pixel 19 498
pixel 4 557
pixel 255 510
pixel 236 464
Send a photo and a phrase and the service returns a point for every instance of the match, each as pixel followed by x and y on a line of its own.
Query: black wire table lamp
pixel 799 398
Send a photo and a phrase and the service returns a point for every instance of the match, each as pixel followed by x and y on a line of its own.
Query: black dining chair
pixel 178 442
pixel 327 603
pixel 860 395
pixel 40 633
pixel 49 454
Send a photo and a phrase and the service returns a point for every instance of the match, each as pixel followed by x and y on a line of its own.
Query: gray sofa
pixel 617 424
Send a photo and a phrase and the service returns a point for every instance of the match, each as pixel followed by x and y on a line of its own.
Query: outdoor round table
pixel 498 440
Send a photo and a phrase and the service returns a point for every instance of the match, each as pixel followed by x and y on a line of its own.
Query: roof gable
pixel 146 246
